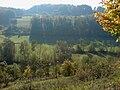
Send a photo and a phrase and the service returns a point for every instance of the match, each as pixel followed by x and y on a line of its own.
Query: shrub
pixel 68 68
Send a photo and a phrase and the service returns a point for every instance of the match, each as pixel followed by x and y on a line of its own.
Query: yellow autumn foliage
pixel 110 19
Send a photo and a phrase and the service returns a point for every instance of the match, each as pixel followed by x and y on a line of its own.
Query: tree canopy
pixel 110 19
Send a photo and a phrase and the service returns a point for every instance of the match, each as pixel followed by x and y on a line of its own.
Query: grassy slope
pixel 66 83
pixel 24 22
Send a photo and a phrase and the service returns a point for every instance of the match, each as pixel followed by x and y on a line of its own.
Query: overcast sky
pixel 29 3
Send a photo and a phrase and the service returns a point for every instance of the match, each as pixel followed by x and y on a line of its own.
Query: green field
pixel 15 38
pixel 20 39
pixel 24 22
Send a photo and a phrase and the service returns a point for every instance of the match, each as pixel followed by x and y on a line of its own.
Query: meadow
pixel 15 38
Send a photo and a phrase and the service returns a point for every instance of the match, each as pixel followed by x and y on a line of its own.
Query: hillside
pixel 53 23
pixel 49 29
pixel 67 10
pixel 59 47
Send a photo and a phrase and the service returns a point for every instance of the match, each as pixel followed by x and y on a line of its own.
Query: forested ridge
pixel 48 29
pixel 55 9
pixel 48 9
pixel 48 23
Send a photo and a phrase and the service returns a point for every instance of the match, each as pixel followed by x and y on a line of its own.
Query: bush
pixel 68 68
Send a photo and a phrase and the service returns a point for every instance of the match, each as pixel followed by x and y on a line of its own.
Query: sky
pixel 25 4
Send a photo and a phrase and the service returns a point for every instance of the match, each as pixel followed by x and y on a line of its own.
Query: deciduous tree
pixel 110 19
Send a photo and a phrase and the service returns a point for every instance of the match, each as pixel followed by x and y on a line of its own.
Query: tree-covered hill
pixel 49 29
pixel 53 22
pixel 48 9
pixel 54 9
pixel 62 9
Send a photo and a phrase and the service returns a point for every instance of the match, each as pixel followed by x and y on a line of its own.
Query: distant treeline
pixel 6 14
pixel 47 29
pixel 61 9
